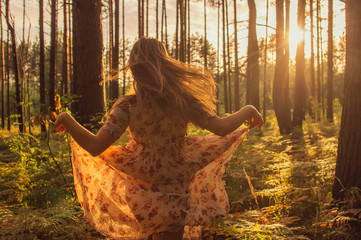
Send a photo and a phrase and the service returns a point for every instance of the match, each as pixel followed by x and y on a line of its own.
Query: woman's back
pixel 150 126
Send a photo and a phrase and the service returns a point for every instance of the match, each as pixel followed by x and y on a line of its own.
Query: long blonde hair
pixel 177 87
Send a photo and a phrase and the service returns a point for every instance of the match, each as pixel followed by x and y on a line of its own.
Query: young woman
pixel 163 184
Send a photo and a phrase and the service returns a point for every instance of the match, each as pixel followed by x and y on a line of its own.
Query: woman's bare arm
pixel 226 125
pixel 94 144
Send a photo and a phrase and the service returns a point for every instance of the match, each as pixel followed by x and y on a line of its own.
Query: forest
pixel 297 177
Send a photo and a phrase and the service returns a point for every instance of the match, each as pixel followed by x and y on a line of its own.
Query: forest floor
pixel 279 187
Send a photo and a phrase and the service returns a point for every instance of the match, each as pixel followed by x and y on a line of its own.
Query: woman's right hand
pixel 60 120
pixel 255 119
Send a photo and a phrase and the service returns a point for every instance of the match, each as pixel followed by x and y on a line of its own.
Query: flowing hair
pixel 177 87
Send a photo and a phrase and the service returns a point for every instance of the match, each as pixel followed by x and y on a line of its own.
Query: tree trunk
pixel 312 68
pixel 70 68
pixel 348 164
pixel 147 18
pixel 265 85
pixel 226 105
pixel 114 94
pixel 330 62
pixel 236 75
pixel 205 33
pixel 64 69
pixel 2 73
pixel 123 31
pixel 281 102
pixel 88 51
pixel 8 81
pixel 177 31
pixel 318 77
pixel 217 77
pixel 140 18
pixel 157 19
pixel 252 58
pixel 189 32
pixel 300 82
pixel 182 28
pixel 19 108
pixel 110 57
pixel 53 58
pixel 42 67
pixel 228 62
pixel 166 25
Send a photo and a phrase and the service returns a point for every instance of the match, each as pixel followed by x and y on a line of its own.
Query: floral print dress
pixel 160 181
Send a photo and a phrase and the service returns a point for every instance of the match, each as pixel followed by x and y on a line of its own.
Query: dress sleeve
pixel 118 118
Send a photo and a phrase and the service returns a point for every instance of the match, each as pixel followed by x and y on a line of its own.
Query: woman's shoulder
pixel 130 99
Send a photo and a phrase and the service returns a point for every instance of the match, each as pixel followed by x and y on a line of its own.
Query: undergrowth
pixel 279 187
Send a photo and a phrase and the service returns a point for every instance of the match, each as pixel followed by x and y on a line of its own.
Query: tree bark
pixel 312 68
pixel 123 31
pixel 265 85
pixel 205 33
pixel 42 67
pixel 140 18
pixel 2 73
pixel 88 51
pixel 114 94
pixel 281 102
pixel 64 69
pixel 318 76
pixel 252 58
pixel 228 62
pixel 53 58
pixel 348 164
pixel 157 19
pixel 19 108
pixel 330 62
pixel 236 75
pixel 8 81
pixel 300 81
pixel 225 86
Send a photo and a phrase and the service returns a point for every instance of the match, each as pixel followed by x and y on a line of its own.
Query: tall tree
pixel 312 67
pixel 281 101
pixel 88 51
pixel 330 62
pixel 217 77
pixel 114 94
pixel 8 80
pixel 42 66
pixel 300 82
pixel 236 73
pixel 70 68
pixel 348 165
pixel 64 68
pixel 225 81
pixel 123 33
pixel 228 61
pixel 53 53
pixel 177 31
pixel 205 32
pixel 265 85
pixel 19 109
pixel 140 18
pixel 157 19
pixel 182 28
pixel 110 52
pixel 252 58
pixel 147 19
pixel 2 71
pixel 318 73
pixel 189 31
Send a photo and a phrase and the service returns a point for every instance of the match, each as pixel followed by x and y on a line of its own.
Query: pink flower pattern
pixel 162 179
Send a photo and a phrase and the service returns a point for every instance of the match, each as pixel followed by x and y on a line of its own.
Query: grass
pixel 279 187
